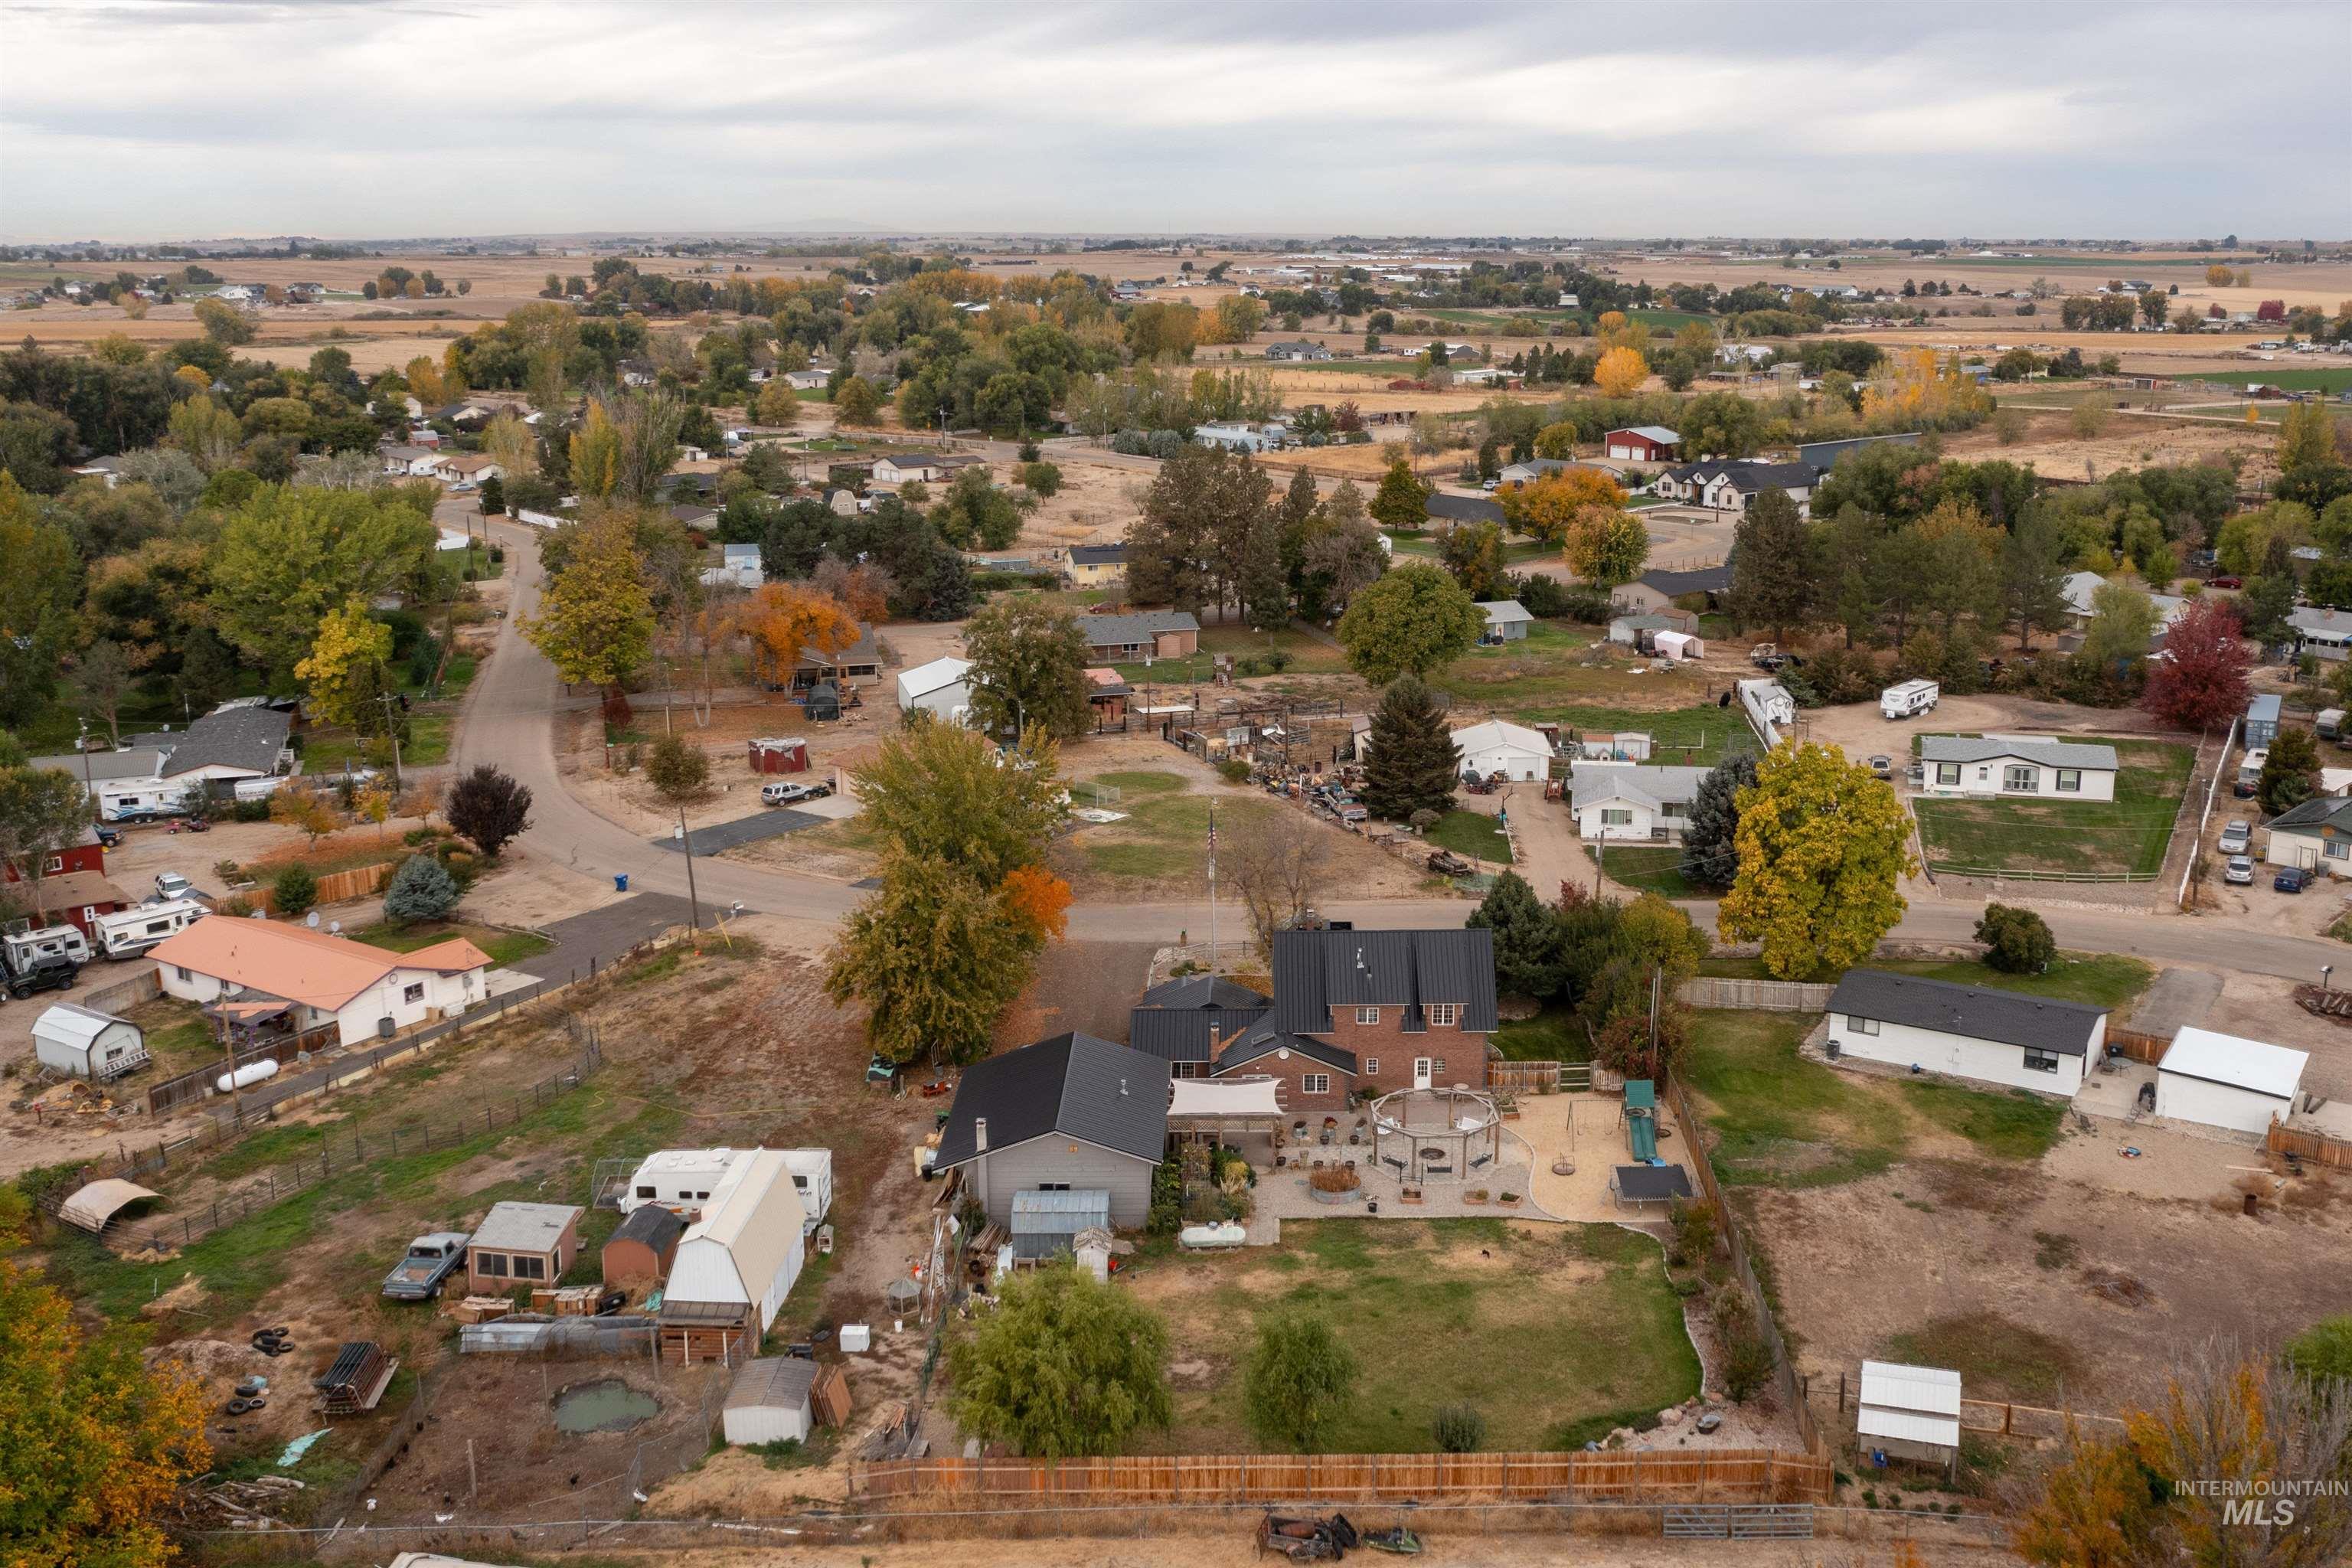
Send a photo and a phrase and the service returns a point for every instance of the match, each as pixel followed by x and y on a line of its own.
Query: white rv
pixel 27 948
pixel 684 1179
pixel 1909 699
pixel 127 933
pixel 811 1171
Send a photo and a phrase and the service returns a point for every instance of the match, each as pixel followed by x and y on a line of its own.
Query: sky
pixel 149 120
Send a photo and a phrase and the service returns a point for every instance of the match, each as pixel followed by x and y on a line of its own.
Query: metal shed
pixel 88 1044
pixel 769 1401
pixel 1045 1223
pixel 1909 1413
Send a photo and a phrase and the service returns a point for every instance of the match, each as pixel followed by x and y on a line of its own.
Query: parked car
pixel 2238 871
pixel 44 974
pixel 171 885
pixel 2226 582
pixel 792 793
pixel 2237 835
pixel 1883 766
pixel 430 1261
pixel 2294 880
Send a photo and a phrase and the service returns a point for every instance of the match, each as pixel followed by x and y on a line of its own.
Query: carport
pixel 99 1204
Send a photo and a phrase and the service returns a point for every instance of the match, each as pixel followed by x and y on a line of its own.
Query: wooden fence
pixel 335 888
pixel 1754 995
pixel 1728 1474
pixel 174 1092
pixel 2137 1046
pixel 1996 1416
pixel 2316 1147
pixel 1526 1077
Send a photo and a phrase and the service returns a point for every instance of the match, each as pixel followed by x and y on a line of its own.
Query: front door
pixel 1421 1072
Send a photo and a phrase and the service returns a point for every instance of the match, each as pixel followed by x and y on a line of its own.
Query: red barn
pixel 73 885
pixel 1643 444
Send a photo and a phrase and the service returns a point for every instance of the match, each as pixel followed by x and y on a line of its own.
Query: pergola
pixel 1214 1109
pixel 1435 1135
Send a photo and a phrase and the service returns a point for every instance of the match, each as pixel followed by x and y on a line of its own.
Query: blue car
pixel 2294 880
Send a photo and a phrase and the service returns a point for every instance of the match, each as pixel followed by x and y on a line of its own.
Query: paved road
pixel 509 721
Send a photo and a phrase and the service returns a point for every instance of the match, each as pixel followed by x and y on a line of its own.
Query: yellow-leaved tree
pixel 1547 508
pixel 596 454
pixel 352 644
pixel 1621 372
pixel 782 618
pixel 1606 546
pixel 1822 845
pixel 93 1443
pixel 595 622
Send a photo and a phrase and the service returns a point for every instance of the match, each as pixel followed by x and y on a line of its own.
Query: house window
pixel 1052 1186
pixel 2070 781
pixel 53 865
pixel 1189 1069
pixel 1314 1083
pixel 1616 816
pixel 1371 1066
pixel 2020 778
pixel 493 1264
pixel 2336 848
pixel 1947 773
pixel 526 1267
pixel 1437 1067
pixel 413 993
pixel 182 971
pixel 1367 1014
pixel 1861 1026
pixel 1446 1015
pixel 2040 1062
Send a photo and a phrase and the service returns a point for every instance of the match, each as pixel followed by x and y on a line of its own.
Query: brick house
pixel 1205 1028
pixel 1413 1007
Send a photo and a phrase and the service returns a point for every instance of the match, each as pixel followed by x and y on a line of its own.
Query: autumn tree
pixel 1823 846
pixel 2307 436
pixel 1029 667
pixel 2200 682
pixel 1277 863
pixel 864 587
pixel 778 405
pixel 1547 506
pixel 513 446
pixel 223 322
pixel 1415 618
pixel 1474 553
pixel 1606 547
pixel 1621 372
pixel 940 792
pixel 292 554
pixel 489 807
pixel 350 641
pixel 1063 1366
pixel 858 403
pixel 1402 502
pixel 307 811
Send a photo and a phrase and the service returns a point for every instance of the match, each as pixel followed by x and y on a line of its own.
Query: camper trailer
pixel 1909 699
pixel 684 1179
pixel 2250 773
pixel 811 1171
pixel 46 944
pixel 127 933
pixel 2330 724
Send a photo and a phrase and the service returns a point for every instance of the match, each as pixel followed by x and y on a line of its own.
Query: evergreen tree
pixel 1771 576
pixel 1710 858
pixel 1265 582
pixel 1414 765
pixel 1528 939
pixel 2290 774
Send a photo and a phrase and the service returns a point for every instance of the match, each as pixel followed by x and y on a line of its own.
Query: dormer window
pixel 1367 1014
pixel 1444 1014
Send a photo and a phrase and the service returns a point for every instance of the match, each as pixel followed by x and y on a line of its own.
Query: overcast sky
pixel 141 120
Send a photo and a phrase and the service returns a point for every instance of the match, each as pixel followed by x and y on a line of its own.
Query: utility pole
pixel 1212 886
pixel 686 842
pixel 391 729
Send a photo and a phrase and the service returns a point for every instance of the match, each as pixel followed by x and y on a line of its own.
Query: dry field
pixel 2321 284
pixel 2130 440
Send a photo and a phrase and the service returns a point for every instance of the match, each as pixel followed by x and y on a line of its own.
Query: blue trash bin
pixel 621 883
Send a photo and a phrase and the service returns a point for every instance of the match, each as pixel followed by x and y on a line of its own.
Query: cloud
pixel 149 119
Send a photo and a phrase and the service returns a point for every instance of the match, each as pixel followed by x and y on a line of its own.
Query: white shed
pixel 2224 1081
pixel 82 1043
pixel 1910 1412
pixel 1678 645
pixel 941 688
pixel 770 1401
pixel 1499 746
pixel 746 1249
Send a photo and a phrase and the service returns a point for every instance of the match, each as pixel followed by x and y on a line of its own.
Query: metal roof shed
pixel 1910 1412
pixel 1044 1221
pixel 2225 1080
pixel 770 1401
pixel 88 1044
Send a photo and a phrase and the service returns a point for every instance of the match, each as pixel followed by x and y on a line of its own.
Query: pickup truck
pixel 429 1262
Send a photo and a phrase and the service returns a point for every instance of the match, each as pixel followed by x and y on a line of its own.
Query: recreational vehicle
pixel 127 933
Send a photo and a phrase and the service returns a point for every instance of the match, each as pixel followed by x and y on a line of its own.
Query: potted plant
pixel 1508 1201
pixel 1333 1184
pixel 1475 1196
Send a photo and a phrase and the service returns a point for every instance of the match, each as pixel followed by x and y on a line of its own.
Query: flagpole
pixel 1212 886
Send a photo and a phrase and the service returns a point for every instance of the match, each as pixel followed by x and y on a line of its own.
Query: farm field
pixel 2292 377
pixel 2087 839
pixel 1162 849
pixel 1421 1307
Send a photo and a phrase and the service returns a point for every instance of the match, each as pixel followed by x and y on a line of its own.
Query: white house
pixel 2323 633
pixel 241 746
pixel 1499 746
pixel 941 688
pixel 1234 436
pixel 1507 620
pixel 746 1249
pixel 83 1043
pixel 1736 484
pixel 1627 803
pixel 408 462
pixel 906 470
pixel 2224 1081
pixel 2080 591
pixel 364 991
pixel 739 567
pixel 2016 765
pixel 468 467
pixel 1964 1031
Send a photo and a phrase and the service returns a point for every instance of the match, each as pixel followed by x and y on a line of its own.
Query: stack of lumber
pixel 356 1379
pixel 829 1397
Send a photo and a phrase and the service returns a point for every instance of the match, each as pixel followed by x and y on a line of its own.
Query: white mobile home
pixel 363 991
pixel 1623 804
pixel 2016 765
pixel 1964 1031
pixel 2223 1080
pixel 1499 746
pixel 746 1250
pixel 82 1043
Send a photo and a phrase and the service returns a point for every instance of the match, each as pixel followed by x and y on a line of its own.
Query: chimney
pixel 980 1134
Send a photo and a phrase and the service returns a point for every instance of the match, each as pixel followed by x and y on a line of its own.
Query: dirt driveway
pixel 1863 731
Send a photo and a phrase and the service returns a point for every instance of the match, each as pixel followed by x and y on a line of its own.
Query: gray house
pixel 1507 620
pixel 1069 1115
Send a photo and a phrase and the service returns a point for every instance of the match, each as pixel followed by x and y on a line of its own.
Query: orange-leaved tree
pixel 1546 508
pixel 782 618
pixel 1036 900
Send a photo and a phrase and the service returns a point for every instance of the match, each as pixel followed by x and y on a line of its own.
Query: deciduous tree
pixel 782 618
pixel 1029 667
pixel 939 792
pixel 934 958
pixel 1298 1382
pixel 101 677
pixel 1547 506
pixel 1064 1366
pixel 489 807
pixel 292 552
pixel 1606 547
pixel 1621 372
pixel 41 811
pixel 1277 863
pixel 2200 682
pixel 1473 552
pixel 1823 846
pixel 596 621
pixel 858 403
pixel 350 642
pixel 1415 618
pixel 679 770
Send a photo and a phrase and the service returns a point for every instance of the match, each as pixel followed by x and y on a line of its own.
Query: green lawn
pixel 1474 834
pixel 2017 1125
pixel 1651 868
pixel 503 946
pixel 177 1035
pixel 326 750
pixel 1306 655
pixel 1422 1307
pixel 1553 1035
pixel 1785 1121
pixel 2125 835
pixel 2103 979
pixel 1698 736
pixel 1165 839
pixel 2330 379
pixel 1549 674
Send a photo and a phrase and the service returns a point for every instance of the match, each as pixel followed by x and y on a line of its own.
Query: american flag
pixel 1213 827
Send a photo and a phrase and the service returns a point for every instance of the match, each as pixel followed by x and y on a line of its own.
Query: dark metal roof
pixel 2010 1017
pixel 656 1226
pixel 1134 630
pixel 1705 580
pixel 1187 1034
pixel 1202 990
pixel 1073 1084
pixel 1463 509
pixel 1098 554
pixel 1264 1039
pixel 1317 970
pixel 1752 478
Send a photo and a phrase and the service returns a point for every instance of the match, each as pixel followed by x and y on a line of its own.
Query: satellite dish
pixel 335 928
pixel 313 920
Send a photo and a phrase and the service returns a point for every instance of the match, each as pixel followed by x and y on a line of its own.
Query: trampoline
pixel 1421 1135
